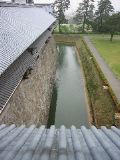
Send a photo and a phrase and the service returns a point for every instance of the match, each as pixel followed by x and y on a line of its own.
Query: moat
pixel 69 104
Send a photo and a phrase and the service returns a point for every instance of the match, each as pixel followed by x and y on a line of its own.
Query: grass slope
pixel 110 51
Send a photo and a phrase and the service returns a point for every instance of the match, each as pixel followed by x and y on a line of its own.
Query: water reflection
pixel 69 100
pixel 51 119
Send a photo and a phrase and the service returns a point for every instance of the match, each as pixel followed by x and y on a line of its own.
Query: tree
pixel 60 6
pixel 105 9
pixel 112 24
pixel 85 12
pixel 29 1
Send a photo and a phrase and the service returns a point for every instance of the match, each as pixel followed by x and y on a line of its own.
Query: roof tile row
pixel 20 143
pixel 11 78
pixel 19 28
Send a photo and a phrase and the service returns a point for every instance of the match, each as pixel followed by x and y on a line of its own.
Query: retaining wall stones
pixel 31 101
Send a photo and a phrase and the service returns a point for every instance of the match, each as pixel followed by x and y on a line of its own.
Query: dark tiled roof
pixel 19 28
pixel 11 78
pixel 59 144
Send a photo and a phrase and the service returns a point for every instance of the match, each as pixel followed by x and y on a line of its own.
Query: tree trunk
pixel 59 28
pixel 111 38
pixel 29 1
pixel 84 24
pixel 101 23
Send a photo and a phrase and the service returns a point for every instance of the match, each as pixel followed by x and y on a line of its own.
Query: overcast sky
pixel 74 4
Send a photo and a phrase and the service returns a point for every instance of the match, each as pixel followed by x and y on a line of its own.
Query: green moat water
pixel 69 105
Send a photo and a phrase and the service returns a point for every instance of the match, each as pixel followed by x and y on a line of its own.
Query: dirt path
pixel 111 78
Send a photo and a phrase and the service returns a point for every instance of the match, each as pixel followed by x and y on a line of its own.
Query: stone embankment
pixel 31 101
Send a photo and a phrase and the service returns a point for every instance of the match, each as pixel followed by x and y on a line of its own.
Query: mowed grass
pixel 110 51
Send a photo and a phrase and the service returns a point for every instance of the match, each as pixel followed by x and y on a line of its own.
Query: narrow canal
pixel 69 105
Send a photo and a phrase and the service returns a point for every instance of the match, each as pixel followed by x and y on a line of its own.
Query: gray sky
pixel 74 4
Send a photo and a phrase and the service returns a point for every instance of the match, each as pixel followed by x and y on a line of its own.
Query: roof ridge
pixel 26 5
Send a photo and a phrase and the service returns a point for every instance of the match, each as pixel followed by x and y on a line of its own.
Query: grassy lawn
pixel 110 51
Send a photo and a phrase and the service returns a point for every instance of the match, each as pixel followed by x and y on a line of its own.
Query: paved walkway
pixel 111 78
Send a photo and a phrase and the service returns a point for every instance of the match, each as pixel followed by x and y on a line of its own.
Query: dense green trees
pixel 60 6
pixel 112 24
pixel 100 20
pixel 87 18
pixel 106 20
pixel 85 13
pixel 104 10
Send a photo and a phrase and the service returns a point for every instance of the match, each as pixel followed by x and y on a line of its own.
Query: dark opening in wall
pixel 27 73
